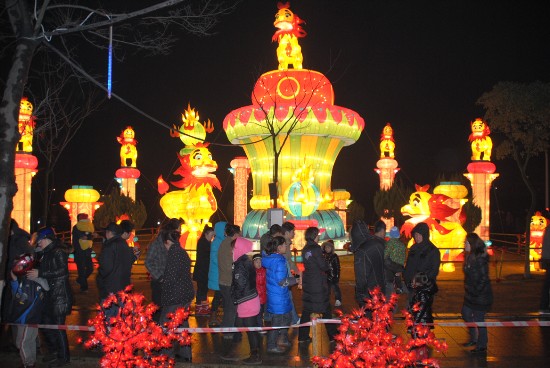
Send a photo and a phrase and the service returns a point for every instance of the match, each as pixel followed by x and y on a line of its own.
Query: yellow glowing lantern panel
pixel 434 210
pixel 26 126
pixel 82 194
pixel 387 144
pixel 537 228
pixel 482 144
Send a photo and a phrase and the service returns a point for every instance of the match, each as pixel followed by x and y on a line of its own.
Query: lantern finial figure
pixel 387 144
pixel 289 24
pixel 128 151
pixel 194 131
pixel 26 125
pixel 481 142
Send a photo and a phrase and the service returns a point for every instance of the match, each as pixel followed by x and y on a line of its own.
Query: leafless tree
pixel 64 25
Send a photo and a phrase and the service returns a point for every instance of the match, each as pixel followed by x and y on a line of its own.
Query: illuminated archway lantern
pixel 194 202
pixel 25 166
pixel 128 175
pixel 537 228
pixel 437 210
pixel 481 173
pixel 81 199
pixel 299 105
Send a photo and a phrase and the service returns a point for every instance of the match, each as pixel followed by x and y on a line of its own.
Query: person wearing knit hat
pixel 394 263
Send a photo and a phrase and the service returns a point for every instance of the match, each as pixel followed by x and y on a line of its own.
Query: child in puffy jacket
pixel 420 308
pixel 333 274
pixel 260 286
pixel 279 302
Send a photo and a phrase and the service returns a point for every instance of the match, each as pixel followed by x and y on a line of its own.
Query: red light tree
pixel 368 342
pixel 132 338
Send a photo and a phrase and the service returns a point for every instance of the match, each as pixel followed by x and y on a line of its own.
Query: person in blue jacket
pixel 213 275
pixel 279 302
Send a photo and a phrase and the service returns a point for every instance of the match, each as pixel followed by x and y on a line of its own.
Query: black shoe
pixel 469 343
pixel 479 351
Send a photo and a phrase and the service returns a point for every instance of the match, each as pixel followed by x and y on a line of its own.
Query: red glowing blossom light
pixel 132 338
pixel 368 342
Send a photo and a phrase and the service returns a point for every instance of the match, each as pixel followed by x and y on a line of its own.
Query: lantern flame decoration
pixel 482 144
pixel 433 209
pixel 26 125
pixel 537 228
pixel 195 202
pixel 128 151
pixel 289 24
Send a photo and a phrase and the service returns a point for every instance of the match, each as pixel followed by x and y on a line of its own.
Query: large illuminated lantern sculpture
pixel 289 50
pixel 537 228
pixel 293 113
pixel 194 201
pixel 25 166
pixel 442 211
pixel 386 167
pixel 481 173
pixel 128 175
pixel 81 199
pixel 241 171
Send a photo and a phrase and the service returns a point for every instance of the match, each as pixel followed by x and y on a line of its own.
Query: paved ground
pixel 516 299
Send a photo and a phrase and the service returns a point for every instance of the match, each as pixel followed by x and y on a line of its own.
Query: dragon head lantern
pixel 289 30
pixel 482 144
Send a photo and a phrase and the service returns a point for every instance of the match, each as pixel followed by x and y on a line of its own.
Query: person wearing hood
pixel 395 254
pixel 53 267
pixel 245 296
pixel 423 256
pixel 368 254
pixel 213 274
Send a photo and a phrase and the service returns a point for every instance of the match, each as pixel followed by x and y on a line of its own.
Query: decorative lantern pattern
pixel 434 210
pixel 299 105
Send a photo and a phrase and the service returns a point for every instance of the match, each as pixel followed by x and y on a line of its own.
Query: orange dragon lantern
pixel 387 144
pixel 482 144
pixel 194 201
pixel 537 228
pixel 433 209
pixel 128 150
pixel 26 126
pixel 289 30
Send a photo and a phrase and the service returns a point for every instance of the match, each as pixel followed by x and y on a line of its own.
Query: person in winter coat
pixel 395 254
pixel 478 294
pixel 420 308
pixel 260 286
pixel 545 264
pixel 155 262
pixel 176 286
pixel 18 243
pixel 333 274
pixel 279 302
pixel 315 297
pixel 213 277
pixel 245 296
pixel 423 256
pixel 82 235
pixel 200 273
pixel 225 274
pixel 368 255
pixel 53 267
pixel 25 305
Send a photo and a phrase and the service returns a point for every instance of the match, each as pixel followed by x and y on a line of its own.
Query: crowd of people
pixel 252 287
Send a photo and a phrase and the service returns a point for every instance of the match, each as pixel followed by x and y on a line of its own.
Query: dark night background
pixel 420 65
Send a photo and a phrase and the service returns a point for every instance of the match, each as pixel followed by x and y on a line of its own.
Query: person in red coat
pixel 260 286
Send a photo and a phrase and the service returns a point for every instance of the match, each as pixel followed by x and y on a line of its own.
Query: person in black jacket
pixel 315 297
pixel 545 264
pixel 115 265
pixel 53 267
pixel 200 273
pixel 423 256
pixel 176 286
pixel 368 259
pixel 333 274
pixel 420 308
pixel 478 294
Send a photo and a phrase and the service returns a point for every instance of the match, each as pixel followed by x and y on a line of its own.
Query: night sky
pixel 420 65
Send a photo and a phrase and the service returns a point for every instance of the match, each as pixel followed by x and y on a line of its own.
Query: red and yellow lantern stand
pixel 537 229
pixel 387 165
pixel 240 169
pixel 127 178
pixel 81 199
